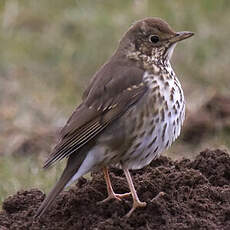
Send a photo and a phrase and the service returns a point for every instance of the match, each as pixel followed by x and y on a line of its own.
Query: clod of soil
pixel 196 195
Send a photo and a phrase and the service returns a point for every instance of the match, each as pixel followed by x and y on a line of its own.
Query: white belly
pixel 163 123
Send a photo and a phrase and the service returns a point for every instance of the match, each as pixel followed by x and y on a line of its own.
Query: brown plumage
pixel 124 119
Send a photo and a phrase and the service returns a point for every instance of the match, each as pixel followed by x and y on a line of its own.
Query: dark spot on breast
pixel 175 109
pixel 167 144
pixel 164 130
pixel 169 114
pixel 153 101
pixel 181 94
pixel 162 114
pixel 151 130
pixel 181 98
pixel 132 152
pixel 147 155
pixel 183 106
pixel 169 76
pixel 155 149
pixel 166 106
pixel 178 104
pixel 151 122
pixel 152 142
pixel 137 145
pixel 159 95
pixel 166 85
pixel 176 83
pixel 177 121
pixel 155 88
pixel 142 134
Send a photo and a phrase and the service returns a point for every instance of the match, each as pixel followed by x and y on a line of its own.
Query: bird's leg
pixel 111 193
pixel 136 202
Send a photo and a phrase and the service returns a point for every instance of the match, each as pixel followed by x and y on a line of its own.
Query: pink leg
pixel 136 202
pixel 111 193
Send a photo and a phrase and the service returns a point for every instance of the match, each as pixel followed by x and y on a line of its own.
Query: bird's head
pixel 152 37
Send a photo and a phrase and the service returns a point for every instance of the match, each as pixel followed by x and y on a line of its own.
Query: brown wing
pixel 104 102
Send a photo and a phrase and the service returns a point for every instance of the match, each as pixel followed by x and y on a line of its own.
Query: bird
pixel 132 110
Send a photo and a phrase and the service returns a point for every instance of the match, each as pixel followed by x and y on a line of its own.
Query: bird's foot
pixel 114 196
pixel 136 204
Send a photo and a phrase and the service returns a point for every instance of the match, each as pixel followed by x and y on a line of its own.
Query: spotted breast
pixel 158 122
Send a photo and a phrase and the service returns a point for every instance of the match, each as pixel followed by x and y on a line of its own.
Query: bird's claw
pixel 136 204
pixel 112 196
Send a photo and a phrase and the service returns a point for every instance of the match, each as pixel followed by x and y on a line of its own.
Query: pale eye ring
pixel 154 38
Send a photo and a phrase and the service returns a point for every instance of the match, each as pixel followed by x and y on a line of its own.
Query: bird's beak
pixel 179 36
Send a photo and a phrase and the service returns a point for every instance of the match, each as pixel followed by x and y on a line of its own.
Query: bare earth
pixel 196 196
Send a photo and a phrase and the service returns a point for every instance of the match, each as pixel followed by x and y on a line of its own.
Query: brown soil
pixel 196 196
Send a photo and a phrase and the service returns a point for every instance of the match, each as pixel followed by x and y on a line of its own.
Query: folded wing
pixel 104 102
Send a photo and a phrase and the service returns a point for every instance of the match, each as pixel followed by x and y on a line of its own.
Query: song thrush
pixel 132 110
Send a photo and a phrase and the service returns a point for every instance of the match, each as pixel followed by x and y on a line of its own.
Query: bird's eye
pixel 154 38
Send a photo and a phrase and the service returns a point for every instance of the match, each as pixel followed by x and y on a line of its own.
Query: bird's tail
pixel 71 169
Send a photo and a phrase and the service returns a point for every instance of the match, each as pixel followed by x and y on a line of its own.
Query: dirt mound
pixel 200 125
pixel 196 195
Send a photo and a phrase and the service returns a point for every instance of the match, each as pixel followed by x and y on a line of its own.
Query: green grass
pixel 21 173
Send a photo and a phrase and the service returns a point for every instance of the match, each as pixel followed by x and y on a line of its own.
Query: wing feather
pixel 96 113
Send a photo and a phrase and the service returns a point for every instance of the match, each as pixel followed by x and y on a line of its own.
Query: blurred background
pixel 50 49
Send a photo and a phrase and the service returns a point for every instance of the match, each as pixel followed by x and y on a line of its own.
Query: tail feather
pixel 65 178
pixel 72 167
